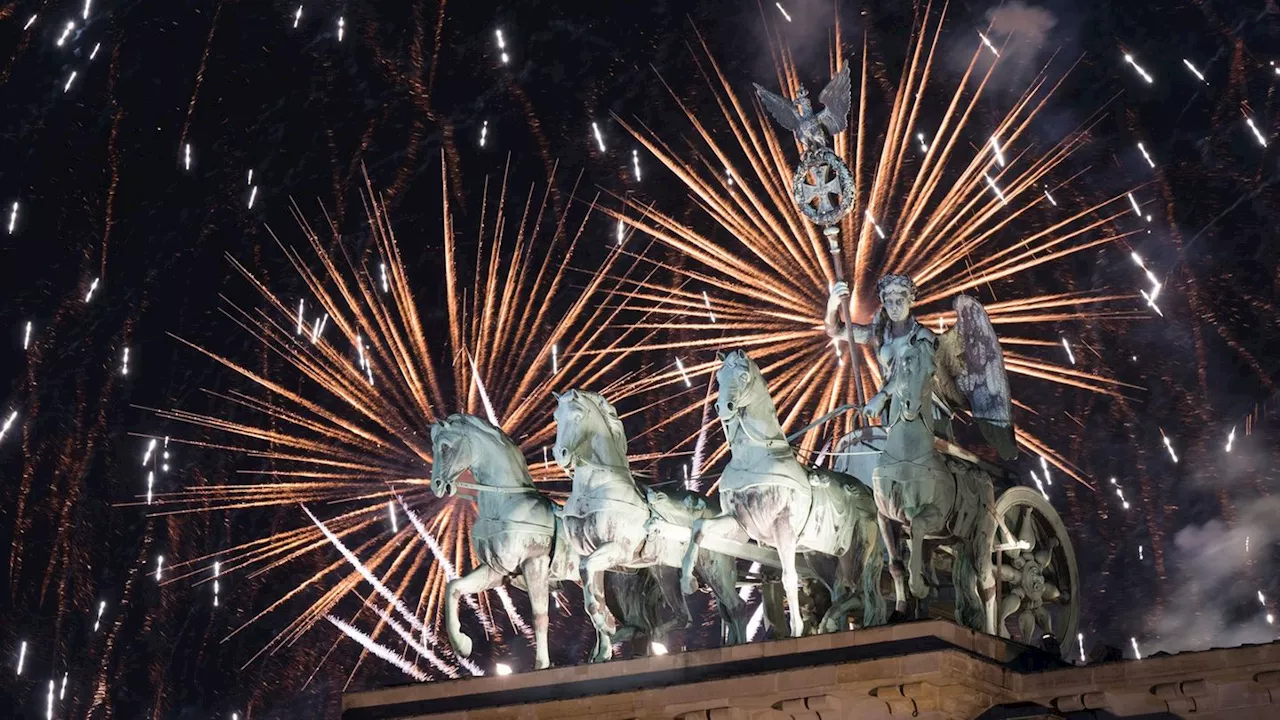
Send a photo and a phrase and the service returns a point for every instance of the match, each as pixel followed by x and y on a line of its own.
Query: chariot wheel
pixel 1037 581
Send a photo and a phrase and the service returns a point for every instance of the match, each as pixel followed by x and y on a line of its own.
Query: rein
pixel 518 490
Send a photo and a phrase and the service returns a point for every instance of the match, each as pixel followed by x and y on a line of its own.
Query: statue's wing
pixel 782 110
pixel 836 99
pixel 970 374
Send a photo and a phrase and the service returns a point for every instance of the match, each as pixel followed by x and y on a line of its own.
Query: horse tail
pixel 874 610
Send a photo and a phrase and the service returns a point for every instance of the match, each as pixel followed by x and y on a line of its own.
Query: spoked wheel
pixel 1037 581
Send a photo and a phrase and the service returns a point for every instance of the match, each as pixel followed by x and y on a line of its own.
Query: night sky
pixel 96 165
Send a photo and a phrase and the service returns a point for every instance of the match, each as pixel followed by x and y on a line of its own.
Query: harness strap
pixel 518 490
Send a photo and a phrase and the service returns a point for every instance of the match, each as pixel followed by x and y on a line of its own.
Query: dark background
pixel 98 173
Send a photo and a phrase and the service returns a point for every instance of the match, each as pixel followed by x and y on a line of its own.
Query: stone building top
pixel 929 670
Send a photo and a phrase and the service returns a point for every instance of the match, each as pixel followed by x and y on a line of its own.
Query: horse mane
pixel 485 427
pixel 610 415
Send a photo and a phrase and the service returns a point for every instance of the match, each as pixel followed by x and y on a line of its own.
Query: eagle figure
pixel 813 131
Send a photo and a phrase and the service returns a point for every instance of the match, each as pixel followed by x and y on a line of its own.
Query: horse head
pixel 739 380
pixel 583 419
pixel 463 442
pixel 451 453
pixel 912 379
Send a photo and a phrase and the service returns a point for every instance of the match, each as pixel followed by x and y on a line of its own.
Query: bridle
pixel 492 489
pixel 741 427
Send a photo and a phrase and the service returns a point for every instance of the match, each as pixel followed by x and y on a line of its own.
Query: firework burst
pixel 342 420
pixel 960 213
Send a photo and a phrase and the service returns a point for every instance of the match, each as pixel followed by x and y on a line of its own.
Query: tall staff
pixel 822 187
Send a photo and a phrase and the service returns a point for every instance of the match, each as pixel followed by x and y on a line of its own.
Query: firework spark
pixel 957 228
pixel 352 447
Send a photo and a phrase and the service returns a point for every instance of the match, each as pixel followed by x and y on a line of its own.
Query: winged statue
pixel 970 375
pixel 813 131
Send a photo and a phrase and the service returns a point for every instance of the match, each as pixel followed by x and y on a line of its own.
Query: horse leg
pixel 785 540
pixel 609 555
pixel 924 520
pixel 720 572
pixel 672 596
pixel 719 526
pixel 537 573
pixel 477 581
pixel 893 545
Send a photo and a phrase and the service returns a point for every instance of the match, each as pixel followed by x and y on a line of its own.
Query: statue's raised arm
pixel 971 376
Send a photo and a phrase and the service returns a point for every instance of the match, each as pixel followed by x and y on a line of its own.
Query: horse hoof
pixel 897 616
pixel 541 664
pixel 689 586
pixel 463 646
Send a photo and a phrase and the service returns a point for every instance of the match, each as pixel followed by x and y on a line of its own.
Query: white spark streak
pixel 342 27
pixel 391 513
pixel 151 480
pixel 1256 132
pixel 1194 71
pixel 65 32
pixel 484 396
pixel 13 217
pixel 620 231
pixel 599 138
pixel 124 368
pixel 447 565
pixel 1136 209
pixel 26 336
pixel 555 359
pixel 635 163
pixel 1137 654
pixel 1231 438
pixel 707 301
pixel 386 286
pixel 379 650
pixel 8 423
pixel 62 692
pixel 1139 552
pixel 1129 59
pixel 94 54
pixel 1142 148
pixel 1080 641
pixel 484 132
pixel 1168 444
pixel 249 180
pixel 69 81
pixel 48 711
pixel 159 567
pixel 217 571
pixel 31 20
pixel 253 195
pixel 1120 493
pixel 146 456
pixel 297 16
pixel 728 174
pixel 683 374
pixel 317 328
pixel 102 607
pixel 1051 200
pixel 87 3
pixel 995 147
pixel 186 156
pixel 784 12
pixel 1070 355
pixel 22 656
pixel 513 614
pixel 1044 466
pixel 1039 484
pixel 995 189
pixel 299 330
pixel 987 42
pixel 924 146
pixel 381 589
pixel 875 225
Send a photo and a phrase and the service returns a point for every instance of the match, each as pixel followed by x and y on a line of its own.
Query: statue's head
pixel 451 455
pixel 896 292
pixel 802 103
